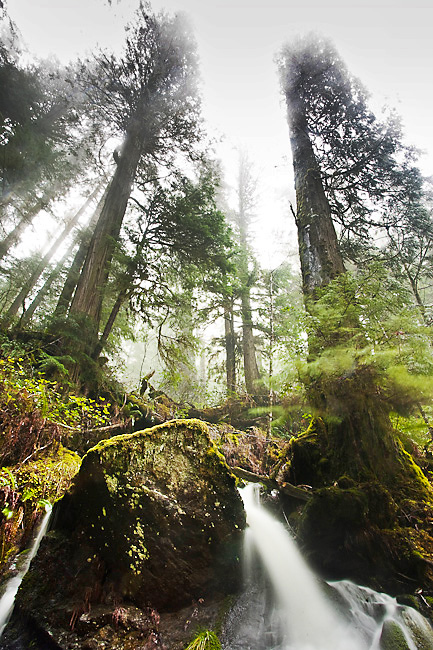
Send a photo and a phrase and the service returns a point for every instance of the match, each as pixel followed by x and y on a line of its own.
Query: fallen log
pixel 286 488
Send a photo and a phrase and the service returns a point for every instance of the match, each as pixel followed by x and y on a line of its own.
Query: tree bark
pixel 90 288
pixel 246 203
pixel 321 260
pixel 251 370
pixel 230 347
pixel 110 322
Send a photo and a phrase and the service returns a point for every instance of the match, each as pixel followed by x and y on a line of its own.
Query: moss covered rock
pixel 392 637
pixel 26 490
pixel 153 519
pixel 161 511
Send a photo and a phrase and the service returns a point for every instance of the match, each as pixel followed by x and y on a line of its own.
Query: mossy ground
pixel 28 490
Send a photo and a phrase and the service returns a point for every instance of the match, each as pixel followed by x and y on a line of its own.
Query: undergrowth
pixel 34 412
pixel 205 640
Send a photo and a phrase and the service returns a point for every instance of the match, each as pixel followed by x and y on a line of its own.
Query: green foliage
pixel 412 429
pixel 28 489
pixel 32 410
pixel 44 396
pixel 205 640
pixel 363 325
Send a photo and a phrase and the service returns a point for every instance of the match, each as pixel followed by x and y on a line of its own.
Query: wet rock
pixel 153 522
pixel 392 637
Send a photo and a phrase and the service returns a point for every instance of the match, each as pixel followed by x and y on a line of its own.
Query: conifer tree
pixel 149 95
pixel 352 384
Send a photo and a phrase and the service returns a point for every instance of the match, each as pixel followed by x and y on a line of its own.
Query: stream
pixel 22 565
pixel 286 607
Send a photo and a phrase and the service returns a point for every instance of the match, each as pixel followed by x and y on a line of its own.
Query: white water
pixel 291 609
pixel 8 598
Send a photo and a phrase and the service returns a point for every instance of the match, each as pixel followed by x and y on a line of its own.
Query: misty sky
pixel 386 43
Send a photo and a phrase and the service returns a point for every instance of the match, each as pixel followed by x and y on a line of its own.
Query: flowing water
pixel 285 607
pixel 21 567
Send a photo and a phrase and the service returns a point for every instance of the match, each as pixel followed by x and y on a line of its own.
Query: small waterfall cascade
pixel 285 607
pixel 22 565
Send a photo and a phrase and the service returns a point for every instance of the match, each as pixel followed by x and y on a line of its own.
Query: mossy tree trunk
pixel 358 437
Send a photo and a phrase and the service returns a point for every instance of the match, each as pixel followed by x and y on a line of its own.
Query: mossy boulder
pixel 161 510
pixel 360 532
pixel 153 520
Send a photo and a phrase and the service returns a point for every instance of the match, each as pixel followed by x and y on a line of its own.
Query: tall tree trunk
pixel 34 277
pixel 246 203
pixel 90 288
pixel 27 316
pixel 271 350
pixel 77 264
pixel 122 296
pixel 359 438
pixel 321 260
pixel 230 347
pixel 251 370
pixel 350 450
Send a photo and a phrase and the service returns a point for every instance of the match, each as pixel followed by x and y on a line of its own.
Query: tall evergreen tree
pixel 351 389
pixel 368 175
pixel 149 95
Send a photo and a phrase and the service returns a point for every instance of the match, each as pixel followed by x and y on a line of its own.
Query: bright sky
pixel 386 43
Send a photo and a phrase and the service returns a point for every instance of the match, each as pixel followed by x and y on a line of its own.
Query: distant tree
pixel 230 345
pixel 246 269
pixel 409 253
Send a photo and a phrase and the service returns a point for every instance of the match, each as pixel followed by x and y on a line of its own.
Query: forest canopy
pixel 147 245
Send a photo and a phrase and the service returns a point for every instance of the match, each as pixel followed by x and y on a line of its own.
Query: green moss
pixel 36 484
pixel 47 477
pixel 412 480
pixel 155 432
pixel 233 438
pixel 392 637
pixel 336 508
pixel 409 600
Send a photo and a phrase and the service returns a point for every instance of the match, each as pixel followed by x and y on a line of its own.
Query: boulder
pixel 153 520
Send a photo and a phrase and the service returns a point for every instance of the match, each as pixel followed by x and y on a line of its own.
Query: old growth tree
pixel 149 96
pixel 354 376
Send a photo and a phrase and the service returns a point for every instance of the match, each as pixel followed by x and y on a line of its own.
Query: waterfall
pixel 286 607
pixel 22 566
